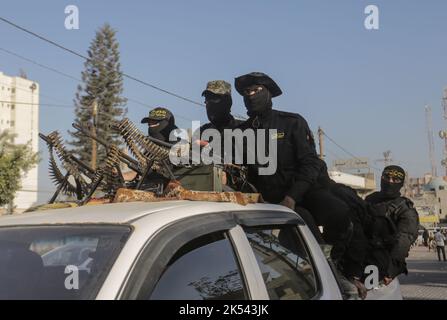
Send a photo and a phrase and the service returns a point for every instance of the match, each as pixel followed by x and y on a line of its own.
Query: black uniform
pixel 161 123
pixel 232 123
pixel 300 173
pixel 298 166
pixel 406 221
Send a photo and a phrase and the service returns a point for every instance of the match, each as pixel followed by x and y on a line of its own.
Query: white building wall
pixel 351 180
pixel 23 120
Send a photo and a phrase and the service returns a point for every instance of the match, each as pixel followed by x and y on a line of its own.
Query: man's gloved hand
pixel 360 288
pixel 201 143
pixel 387 280
pixel 288 202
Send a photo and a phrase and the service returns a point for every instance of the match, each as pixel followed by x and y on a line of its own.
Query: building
pixel 355 173
pixel 364 184
pixel 19 113
pixel 415 187
pixel 429 195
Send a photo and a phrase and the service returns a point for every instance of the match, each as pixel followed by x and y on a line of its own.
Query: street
pixel 427 277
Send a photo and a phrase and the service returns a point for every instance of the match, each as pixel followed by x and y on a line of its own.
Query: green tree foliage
pixel 103 82
pixel 15 159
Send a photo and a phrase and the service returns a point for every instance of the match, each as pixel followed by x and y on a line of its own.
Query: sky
pixel 366 88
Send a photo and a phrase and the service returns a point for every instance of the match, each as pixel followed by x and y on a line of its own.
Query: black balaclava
pixel 161 129
pixel 218 107
pixel 392 190
pixel 259 103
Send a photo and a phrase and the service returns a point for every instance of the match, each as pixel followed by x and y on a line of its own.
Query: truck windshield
pixel 57 262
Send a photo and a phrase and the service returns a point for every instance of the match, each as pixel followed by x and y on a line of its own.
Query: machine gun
pixel 109 175
pixel 150 157
pixel 73 166
pixel 86 179
pixel 152 154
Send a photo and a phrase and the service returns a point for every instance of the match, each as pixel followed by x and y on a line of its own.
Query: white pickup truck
pixel 166 250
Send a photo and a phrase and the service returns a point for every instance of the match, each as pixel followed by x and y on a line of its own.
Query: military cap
pixel 217 87
pixel 158 114
pixel 394 171
pixel 242 82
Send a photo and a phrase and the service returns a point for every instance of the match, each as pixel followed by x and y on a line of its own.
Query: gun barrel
pixel 160 142
pixel 129 161
pixel 82 164
pixel 44 137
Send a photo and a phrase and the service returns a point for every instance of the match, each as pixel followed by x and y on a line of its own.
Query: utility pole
pixel 32 87
pixel 93 132
pixel 321 142
pixel 431 143
pixel 386 158
pixel 443 133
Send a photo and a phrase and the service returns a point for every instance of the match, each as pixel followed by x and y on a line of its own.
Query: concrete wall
pixel 442 201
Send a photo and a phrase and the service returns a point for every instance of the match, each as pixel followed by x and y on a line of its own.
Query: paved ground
pixel 427 277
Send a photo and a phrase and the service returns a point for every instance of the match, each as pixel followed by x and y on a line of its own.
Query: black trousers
pixel 441 249
pixel 341 228
pixel 329 212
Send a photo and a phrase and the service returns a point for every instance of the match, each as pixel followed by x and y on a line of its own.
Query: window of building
pixel 285 264
pixel 13 106
pixel 203 269
pixel 13 123
pixel 441 187
pixel 440 211
pixel 13 90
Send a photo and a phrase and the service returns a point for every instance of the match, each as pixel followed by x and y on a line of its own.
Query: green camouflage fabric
pixel 218 87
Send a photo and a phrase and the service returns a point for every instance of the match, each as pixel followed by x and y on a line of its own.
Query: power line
pixel 25 89
pixel 38 104
pixel 333 153
pixel 87 59
pixel 73 78
pixel 152 107
pixel 346 151
pixel 38 64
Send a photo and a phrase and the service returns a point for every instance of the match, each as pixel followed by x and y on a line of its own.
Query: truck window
pixel 57 262
pixel 285 264
pixel 203 269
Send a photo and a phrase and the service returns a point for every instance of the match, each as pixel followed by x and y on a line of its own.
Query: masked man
pixel 402 214
pixel 218 103
pixel 301 178
pixel 160 123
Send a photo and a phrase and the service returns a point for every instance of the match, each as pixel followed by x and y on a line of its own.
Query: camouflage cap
pixel 158 114
pixel 218 87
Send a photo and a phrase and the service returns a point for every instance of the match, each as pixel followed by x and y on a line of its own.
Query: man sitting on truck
pixel 402 214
